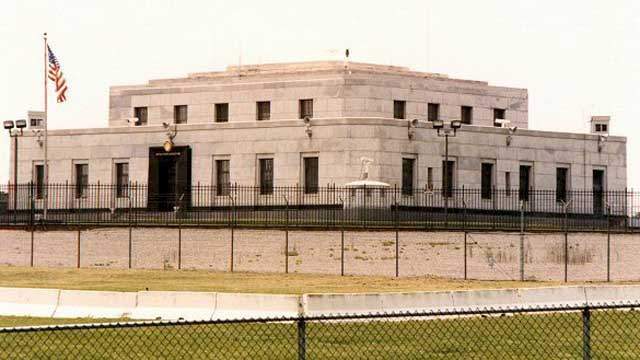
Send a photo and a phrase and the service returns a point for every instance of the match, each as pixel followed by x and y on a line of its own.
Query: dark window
pixel 122 179
pixel 433 111
pixel 310 175
pixel 141 114
pixel 430 178
pixel 486 181
pixel 39 181
pixel 407 176
pixel 222 112
pixel 263 110
pixel 598 127
pixel 306 108
pixel 562 178
pixel 604 127
pixel 466 114
pixel 82 180
pixel 35 122
pixel 447 178
pixel 180 114
pixel 525 182
pixel 399 108
pixel 223 178
pixel 507 183
pixel 498 114
pixel 266 176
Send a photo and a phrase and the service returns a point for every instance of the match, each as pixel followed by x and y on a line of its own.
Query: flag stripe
pixel 56 75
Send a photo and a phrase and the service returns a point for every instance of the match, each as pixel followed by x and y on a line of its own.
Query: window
pixel 306 108
pixel 430 178
pixel 562 182
pixel 122 179
pixel 180 114
pixel 507 183
pixel 604 127
pixel 36 122
pixel 433 111
pixel 407 176
pixel 223 178
pixel 486 182
pixel 82 180
pixel 525 182
pixel 38 179
pixel 447 178
pixel 598 127
pixel 310 168
pixel 141 114
pixel 263 110
pixel 222 112
pixel 498 114
pixel 466 114
pixel 399 108
pixel 266 176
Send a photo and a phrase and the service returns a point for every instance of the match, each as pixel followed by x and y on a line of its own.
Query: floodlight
pixel 456 124
pixel 8 124
pixel 437 124
pixel 413 122
pixel 21 124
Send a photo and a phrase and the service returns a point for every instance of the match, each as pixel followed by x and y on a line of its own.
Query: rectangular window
pixel 525 182
pixel 399 108
pixel 562 182
pixel 407 176
pixel 507 183
pixel 310 168
pixel 598 127
pixel 466 114
pixel 430 178
pixel 122 179
pixel 223 177
pixel 604 128
pixel 486 181
pixel 266 176
pixel 498 114
pixel 306 108
pixel 263 110
pixel 180 114
pixel 36 122
pixel 447 178
pixel 222 112
pixel 82 180
pixel 141 114
pixel 433 111
pixel 38 179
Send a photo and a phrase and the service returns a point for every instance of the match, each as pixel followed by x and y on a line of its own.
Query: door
pixel 598 192
pixel 169 178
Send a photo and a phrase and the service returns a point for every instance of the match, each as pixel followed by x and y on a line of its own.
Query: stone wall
pixel 489 256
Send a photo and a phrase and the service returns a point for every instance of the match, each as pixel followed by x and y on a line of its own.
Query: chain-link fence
pixel 562 332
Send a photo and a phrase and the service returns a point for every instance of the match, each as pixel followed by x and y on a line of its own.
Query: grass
pixel 201 280
pixel 614 335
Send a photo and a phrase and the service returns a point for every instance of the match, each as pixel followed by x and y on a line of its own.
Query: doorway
pixel 598 192
pixel 169 178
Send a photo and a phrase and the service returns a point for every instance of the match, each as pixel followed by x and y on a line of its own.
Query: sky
pixel 576 58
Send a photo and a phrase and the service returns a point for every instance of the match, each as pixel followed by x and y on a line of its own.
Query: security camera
pixel 413 123
pixel 513 129
pixel 307 126
pixel 165 125
pixel 306 119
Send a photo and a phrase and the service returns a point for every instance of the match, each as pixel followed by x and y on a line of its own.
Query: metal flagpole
pixel 46 121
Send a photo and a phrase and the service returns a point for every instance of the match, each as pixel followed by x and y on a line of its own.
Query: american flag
pixel 55 74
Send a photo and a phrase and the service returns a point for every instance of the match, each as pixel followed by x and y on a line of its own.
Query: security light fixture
pixel 8 124
pixel 456 124
pixel 21 124
pixel 437 124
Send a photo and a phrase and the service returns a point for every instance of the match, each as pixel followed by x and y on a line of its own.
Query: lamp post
pixel 15 129
pixel 445 130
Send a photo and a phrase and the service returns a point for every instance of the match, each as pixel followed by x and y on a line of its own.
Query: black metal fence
pixel 329 207
pixel 562 332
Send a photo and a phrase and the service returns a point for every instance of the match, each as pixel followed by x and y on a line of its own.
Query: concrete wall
pixel 489 256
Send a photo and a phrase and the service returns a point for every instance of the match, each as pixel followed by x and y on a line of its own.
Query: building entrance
pixel 169 178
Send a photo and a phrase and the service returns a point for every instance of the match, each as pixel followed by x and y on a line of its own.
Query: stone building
pixel 310 124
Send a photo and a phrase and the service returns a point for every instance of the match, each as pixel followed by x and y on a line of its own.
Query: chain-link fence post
pixel 286 236
pixel 586 334
pixel 522 241
pixel 397 225
pixel 608 242
pixel 302 339
pixel 342 238
pixel 565 206
pixel 231 223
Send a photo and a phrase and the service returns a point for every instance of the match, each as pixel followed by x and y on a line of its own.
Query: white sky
pixel 576 58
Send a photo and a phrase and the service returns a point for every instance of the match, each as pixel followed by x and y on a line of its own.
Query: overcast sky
pixel 576 58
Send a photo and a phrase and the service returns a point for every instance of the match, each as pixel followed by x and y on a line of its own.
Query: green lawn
pixel 614 335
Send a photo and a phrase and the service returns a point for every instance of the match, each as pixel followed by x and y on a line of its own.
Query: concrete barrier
pixel 481 299
pixel 544 297
pixel 596 295
pixel 244 306
pixel 95 304
pixel 28 302
pixel 173 305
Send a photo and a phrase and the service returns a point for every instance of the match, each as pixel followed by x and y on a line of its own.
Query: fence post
pixel 286 236
pixel 78 251
pixel 397 241
pixel 231 221
pixel 608 242
pixel 179 244
pixel 130 245
pixel 32 247
pixel 342 238
pixel 586 334
pixel 522 241
pixel 566 240
pixel 302 339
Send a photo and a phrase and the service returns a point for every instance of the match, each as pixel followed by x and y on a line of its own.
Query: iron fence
pixel 329 206
pixel 572 332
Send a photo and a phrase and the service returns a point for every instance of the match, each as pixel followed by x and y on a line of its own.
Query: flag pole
pixel 46 121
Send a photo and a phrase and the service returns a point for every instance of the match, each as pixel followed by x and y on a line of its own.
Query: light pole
pixel 445 130
pixel 15 129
